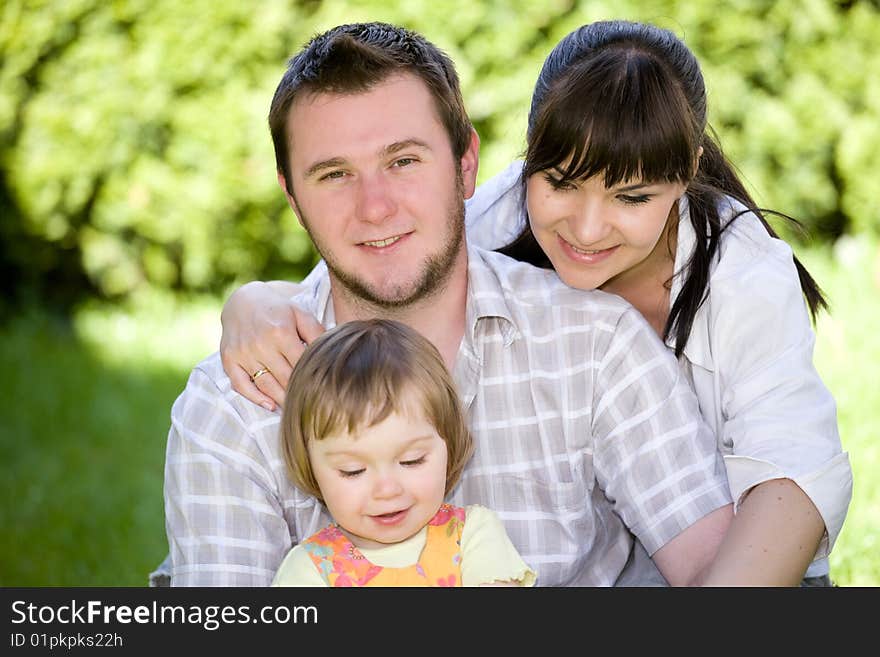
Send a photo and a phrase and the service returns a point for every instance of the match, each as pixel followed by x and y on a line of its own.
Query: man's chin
pixel 380 296
pixel 391 299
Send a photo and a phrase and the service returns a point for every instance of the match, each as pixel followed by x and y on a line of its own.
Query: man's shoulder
pixel 209 398
pixel 209 377
pixel 212 368
pixel 533 289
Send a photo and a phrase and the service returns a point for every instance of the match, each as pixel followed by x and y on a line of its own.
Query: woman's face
pixel 598 237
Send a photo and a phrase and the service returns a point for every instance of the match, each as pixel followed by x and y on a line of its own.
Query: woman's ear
pixel 697 160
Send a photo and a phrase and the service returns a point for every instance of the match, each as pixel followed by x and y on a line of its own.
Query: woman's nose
pixel 588 225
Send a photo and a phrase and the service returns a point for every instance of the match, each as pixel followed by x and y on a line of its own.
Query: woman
pixel 626 192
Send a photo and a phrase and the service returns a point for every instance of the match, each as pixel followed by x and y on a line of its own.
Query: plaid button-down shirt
pixel 585 431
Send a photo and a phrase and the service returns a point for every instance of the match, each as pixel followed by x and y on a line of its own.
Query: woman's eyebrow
pixel 632 188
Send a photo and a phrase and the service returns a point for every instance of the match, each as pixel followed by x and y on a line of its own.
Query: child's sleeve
pixel 487 554
pixel 298 569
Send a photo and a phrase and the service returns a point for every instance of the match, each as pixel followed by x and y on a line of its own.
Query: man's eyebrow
pixel 324 164
pixel 391 149
pixel 398 146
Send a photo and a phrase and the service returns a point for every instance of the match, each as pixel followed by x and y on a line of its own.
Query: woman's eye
pixel 634 200
pixel 413 462
pixel 347 474
pixel 559 184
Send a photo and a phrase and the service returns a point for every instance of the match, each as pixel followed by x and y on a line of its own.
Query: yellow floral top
pixel 458 547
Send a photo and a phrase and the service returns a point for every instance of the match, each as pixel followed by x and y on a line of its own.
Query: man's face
pixel 375 184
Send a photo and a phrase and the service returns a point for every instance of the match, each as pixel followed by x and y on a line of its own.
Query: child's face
pixel 385 482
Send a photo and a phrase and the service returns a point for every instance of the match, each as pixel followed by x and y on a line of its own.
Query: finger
pixel 280 368
pixel 269 386
pixel 307 326
pixel 244 385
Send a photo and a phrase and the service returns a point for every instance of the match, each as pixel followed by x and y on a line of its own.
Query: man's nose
pixel 375 199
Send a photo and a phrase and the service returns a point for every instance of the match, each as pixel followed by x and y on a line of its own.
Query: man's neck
pixel 440 317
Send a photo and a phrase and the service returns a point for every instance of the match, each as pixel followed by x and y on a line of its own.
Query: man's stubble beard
pixel 435 271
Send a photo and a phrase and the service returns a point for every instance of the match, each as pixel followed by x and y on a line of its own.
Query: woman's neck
pixel 647 285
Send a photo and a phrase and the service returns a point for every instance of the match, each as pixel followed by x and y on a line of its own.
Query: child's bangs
pixel 353 407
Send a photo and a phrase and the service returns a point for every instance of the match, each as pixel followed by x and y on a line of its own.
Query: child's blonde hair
pixel 355 376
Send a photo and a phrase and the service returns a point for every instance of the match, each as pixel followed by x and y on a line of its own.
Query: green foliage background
pixel 137 185
pixel 134 150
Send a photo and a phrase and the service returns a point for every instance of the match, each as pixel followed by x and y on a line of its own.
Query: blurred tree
pixel 134 149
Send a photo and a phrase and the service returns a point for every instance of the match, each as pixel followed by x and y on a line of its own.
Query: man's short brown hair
pixel 352 59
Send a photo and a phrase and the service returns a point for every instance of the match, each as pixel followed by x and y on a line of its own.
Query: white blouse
pixel 749 356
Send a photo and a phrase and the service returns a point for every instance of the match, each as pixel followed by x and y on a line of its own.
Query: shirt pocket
pixel 546 489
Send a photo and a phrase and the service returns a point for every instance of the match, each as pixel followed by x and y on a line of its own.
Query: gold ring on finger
pixel 260 372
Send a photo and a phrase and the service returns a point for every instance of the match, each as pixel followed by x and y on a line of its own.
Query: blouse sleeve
pixel 487 554
pixel 298 569
pixel 780 421
pixel 494 215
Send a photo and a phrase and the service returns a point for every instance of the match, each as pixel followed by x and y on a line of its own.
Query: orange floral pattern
pixel 342 564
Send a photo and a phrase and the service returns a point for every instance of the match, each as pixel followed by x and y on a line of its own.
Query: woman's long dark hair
pixel 627 100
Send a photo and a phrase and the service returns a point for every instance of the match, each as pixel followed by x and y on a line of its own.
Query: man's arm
pixel 770 541
pixel 687 558
pixel 656 457
pixel 223 515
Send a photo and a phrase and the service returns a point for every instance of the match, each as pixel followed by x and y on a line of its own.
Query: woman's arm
pixel 263 330
pixel 771 540
pixel 776 420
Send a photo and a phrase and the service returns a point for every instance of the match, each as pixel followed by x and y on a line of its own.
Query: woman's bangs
pixel 624 119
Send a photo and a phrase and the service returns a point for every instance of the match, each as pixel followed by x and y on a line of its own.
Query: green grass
pixel 85 414
pixel 847 355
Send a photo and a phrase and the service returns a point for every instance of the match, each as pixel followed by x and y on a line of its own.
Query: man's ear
pixel 290 200
pixel 470 163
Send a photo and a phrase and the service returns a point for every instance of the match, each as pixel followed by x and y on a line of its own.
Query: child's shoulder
pixel 478 515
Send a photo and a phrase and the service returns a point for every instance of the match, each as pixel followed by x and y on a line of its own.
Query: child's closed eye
pixel 351 473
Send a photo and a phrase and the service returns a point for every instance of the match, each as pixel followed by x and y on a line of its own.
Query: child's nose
pixel 387 486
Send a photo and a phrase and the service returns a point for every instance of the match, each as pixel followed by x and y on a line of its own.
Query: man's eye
pixel 413 462
pixel 333 175
pixel 347 474
pixel 404 161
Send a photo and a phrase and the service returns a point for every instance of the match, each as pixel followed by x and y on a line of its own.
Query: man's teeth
pixel 385 242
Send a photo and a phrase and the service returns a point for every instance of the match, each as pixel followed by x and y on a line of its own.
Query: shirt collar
pixel 486 297
pixel 315 296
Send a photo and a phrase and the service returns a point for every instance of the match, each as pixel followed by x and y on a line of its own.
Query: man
pixel 585 434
